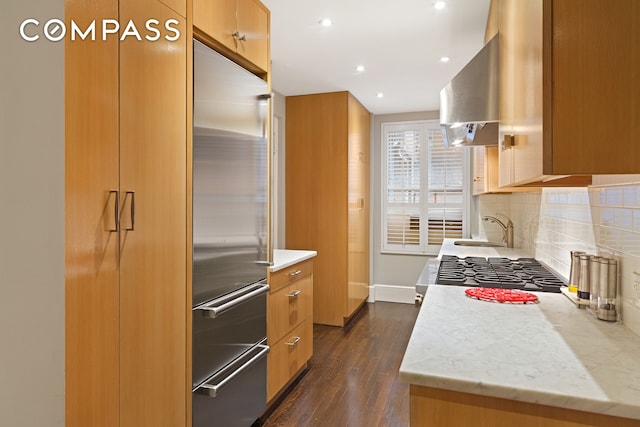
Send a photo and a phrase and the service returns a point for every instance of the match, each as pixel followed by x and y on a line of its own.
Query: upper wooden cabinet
pixel 236 28
pixel 327 198
pixel 568 90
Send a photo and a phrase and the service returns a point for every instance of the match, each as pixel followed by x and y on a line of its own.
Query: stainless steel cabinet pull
pixel 213 390
pixel 294 293
pixel 133 211
pixel 116 210
pixel 240 37
pixel 295 273
pixel 223 304
pixel 293 343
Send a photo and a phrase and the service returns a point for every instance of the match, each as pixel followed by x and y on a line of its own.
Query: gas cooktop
pixel 525 274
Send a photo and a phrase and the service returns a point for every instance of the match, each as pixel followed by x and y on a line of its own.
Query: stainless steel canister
pixel 574 274
pixel 583 280
pixel 608 292
pixel 594 282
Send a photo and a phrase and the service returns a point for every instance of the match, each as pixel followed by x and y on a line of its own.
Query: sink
pixel 479 243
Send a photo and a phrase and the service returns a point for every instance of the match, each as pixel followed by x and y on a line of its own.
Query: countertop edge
pixel 283 258
pixel 616 409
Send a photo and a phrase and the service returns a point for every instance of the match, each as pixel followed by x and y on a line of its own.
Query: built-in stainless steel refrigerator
pixel 230 251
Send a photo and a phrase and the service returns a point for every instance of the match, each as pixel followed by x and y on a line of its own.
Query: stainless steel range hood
pixel 469 103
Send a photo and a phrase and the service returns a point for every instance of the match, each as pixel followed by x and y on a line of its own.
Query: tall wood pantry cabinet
pixel 327 198
pixel 127 219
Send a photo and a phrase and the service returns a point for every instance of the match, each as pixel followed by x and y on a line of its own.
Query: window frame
pixel 422 248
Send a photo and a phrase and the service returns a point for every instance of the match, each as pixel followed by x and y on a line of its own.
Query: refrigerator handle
pixel 221 305
pixel 212 390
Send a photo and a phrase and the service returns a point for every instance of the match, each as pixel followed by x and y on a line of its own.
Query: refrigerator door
pixel 230 152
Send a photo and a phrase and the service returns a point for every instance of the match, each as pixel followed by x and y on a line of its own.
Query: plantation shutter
pixel 422 188
pixel 445 190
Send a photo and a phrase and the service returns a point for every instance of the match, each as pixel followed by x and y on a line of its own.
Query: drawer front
pixel 288 307
pixel 287 356
pixel 290 274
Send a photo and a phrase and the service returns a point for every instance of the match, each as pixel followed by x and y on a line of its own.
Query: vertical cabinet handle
pixel 242 37
pixel 116 207
pixel 133 211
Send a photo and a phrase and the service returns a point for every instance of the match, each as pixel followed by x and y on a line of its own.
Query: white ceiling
pixel 400 43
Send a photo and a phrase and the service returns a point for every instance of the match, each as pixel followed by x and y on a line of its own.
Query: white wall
pixel 393 277
pixel 32 219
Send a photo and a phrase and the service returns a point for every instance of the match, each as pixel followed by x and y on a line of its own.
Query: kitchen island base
pixel 445 408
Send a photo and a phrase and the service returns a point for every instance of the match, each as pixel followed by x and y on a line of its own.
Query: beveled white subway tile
pixel 607 217
pixel 631 316
pixel 636 220
pixel 623 219
pixel 630 243
pixel 631 196
pixel 614 196
pixel 596 215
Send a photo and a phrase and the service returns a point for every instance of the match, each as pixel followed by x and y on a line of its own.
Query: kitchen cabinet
pixel 236 28
pixel 127 292
pixel 445 408
pixel 568 92
pixel 485 173
pixel 289 324
pixel 327 198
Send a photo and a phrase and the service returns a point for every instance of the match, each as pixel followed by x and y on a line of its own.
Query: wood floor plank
pixel 352 380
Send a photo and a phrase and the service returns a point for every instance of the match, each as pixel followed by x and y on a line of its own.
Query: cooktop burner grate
pixel 523 273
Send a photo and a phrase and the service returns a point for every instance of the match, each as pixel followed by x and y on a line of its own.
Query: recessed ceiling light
pixel 440 5
pixel 380 95
pixel 445 59
pixel 360 68
pixel 326 22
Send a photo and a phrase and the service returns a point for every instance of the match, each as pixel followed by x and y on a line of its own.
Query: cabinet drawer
pixel 290 274
pixel 288 355
pixel 289 306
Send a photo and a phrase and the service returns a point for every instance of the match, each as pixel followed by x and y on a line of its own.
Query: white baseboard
pixel 390 293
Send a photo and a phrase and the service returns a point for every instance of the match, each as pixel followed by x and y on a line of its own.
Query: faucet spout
pixel 507 230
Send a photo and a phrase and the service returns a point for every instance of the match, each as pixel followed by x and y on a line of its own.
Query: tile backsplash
pixel 602 220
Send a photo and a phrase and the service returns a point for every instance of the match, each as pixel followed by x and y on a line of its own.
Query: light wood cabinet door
pixel 592 86
pixel 92 345
pixel 520 24
pixel 358 206
pixel 153 296
pixel 253 26
pixel 288 307
pixel 288 356
pixel 217 18
pixel 478 171
pixel 240 27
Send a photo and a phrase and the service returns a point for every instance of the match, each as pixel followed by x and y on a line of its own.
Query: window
pixel 423 188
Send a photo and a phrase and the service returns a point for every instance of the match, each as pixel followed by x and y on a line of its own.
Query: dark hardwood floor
pixel 352 378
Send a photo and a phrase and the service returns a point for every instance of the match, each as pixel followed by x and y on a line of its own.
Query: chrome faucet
pixel 507 230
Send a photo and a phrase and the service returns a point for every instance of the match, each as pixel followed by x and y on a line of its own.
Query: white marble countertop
pixel 283 258
pixel 550 353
